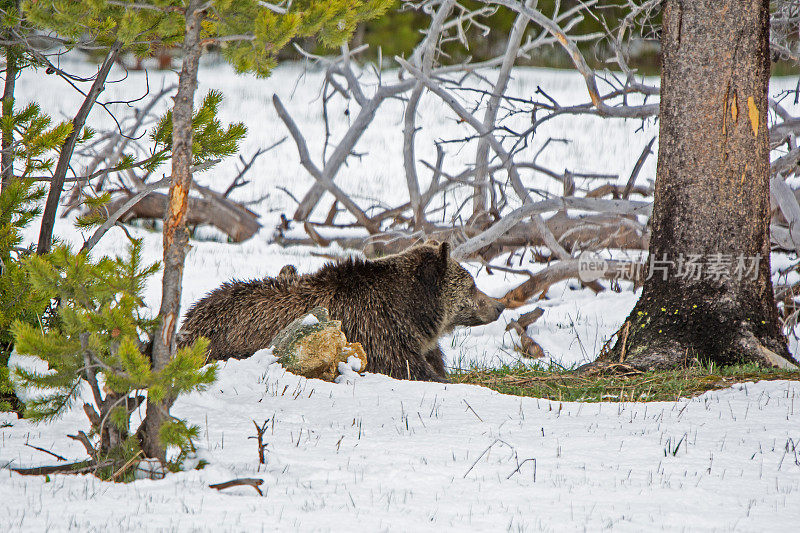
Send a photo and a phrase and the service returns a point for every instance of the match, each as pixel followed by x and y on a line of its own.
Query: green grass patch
pixel 562 384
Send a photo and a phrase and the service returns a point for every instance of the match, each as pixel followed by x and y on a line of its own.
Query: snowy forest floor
pixel 384 454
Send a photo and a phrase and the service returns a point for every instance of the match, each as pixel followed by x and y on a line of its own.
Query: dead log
pixel 539 283
pixel 236 221
pixel 81 467
pixel 590 232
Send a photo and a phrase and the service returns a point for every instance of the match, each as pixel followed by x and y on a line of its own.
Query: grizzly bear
pixel 397 307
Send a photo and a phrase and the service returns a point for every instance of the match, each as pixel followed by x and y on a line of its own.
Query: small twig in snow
pixel 252 482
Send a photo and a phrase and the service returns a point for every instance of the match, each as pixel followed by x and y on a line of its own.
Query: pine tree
pixel 32 141
pixel 99 325
pixel 99 335
pixel 17 301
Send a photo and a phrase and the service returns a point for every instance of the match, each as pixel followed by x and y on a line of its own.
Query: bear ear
pixel 431 242
pixel 444 254
pixel 432 264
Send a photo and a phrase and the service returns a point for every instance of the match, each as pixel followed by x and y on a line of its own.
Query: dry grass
pixel 622 385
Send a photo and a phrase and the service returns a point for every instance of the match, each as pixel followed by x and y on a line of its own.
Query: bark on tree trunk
pixel 7 162
pixel 711 198
pixel 12 69
pixel 57 184
pixel 175 234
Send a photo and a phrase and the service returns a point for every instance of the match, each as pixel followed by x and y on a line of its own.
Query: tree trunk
pixel 7 169
pixel 175 234
pixel 57 183
pixel 12 70
pixel 711 200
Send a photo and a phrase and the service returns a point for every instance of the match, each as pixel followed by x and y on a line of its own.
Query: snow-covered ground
pixel 394 455
pixel 387 455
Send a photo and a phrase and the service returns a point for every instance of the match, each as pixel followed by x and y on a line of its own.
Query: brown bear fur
pixel 289 274
pixel 397 307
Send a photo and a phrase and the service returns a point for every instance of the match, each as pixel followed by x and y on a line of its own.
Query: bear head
pixel 463 303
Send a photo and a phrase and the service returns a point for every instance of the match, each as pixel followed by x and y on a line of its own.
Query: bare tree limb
pixel 490 115
pixel 346 145
pixel 516 182
pixel 60 173
pixel 637 168
pixel 423 56
pixel 578 60
pixel 786 200
pixel 112 220
pixel 320 176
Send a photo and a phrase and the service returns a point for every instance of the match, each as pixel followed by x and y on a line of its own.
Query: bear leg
pixel 435 359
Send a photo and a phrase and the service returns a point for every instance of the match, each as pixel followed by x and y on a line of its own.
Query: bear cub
pixel 397 307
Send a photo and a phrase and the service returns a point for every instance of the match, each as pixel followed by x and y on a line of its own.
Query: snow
pixel 309 320
pixel 264 357
pixel 349 370
pixel 380 454
pixel 373 453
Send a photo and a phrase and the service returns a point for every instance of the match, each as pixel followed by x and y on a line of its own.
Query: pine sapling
pixel 31 145
pixel 96 343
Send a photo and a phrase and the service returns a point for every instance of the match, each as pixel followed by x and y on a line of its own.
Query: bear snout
pixel 489 309
pixel 499 308
pixel 494 309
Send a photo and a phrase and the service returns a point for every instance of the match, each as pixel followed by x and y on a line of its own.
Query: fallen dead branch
pixel 539 283
pixel 245 481
pixel 60 458
pixel 81 467
pixel 528 347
